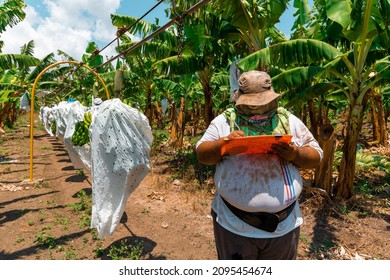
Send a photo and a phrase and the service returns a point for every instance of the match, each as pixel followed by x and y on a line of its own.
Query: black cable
pixel 177 19
pixel 121 32
pixel 128 28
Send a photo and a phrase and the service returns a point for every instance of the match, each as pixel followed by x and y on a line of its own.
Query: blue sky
pixel 69 25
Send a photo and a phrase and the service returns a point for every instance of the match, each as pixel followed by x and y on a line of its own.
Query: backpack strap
pixel 283 117
pixel 283 124
pixel 230 115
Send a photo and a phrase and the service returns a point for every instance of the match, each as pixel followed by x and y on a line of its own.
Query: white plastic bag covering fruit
pixel 25 102
pixel 47 118
pixel 233 78
pixel 164 106
pixel 120 159
pixel 60 113
pixel 79 155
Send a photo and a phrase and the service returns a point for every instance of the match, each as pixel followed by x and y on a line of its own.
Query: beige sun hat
pixel 255 89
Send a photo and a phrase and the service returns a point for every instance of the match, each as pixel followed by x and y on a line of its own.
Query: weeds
pixel 41 184
pixel 46 148
pixel 84 203
pixel 126 251
pixel 41 217
pixel 98 252
pixel 185 165
pixel 160 136
pixel 60 220
pixel 304 238
pixel 2 140
pixel 45 239
pixel 7 170
pixel 19 239
pixel 324 247
pixel 80 172
pixel 70 254
pixel 85 220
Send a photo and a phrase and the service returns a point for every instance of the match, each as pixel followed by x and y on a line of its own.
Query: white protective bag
pixel 80 156
pixel 25 102
pixel 60 113
pixel 121 139
pixel 47 118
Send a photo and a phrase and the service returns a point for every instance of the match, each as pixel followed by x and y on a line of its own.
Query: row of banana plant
pixel 335 62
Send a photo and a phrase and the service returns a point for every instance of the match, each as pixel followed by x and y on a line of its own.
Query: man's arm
pixel 209 152
pixel 304 157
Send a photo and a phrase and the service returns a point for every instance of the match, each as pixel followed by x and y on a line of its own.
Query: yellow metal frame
pixel 32 102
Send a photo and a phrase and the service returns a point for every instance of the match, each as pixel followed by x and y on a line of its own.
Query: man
pixel 255 210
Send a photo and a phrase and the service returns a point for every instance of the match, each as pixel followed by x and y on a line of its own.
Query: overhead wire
pixel 124 30
pixel 120 32
pixel 177 19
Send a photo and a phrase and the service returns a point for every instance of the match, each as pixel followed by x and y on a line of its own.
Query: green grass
pixel 84 203
pixel 126 251
pixel 45 239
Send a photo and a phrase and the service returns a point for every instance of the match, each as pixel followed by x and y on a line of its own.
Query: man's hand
pixel 236 134
pixel 304 157
pixel 209 152
pixel 288 152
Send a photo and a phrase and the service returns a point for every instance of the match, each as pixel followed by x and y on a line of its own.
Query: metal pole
pixel 32 103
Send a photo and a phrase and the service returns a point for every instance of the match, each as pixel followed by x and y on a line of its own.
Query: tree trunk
pixel 208 106
pixel 196 119
pixel 314 118
pixel 174 124
pixel 375 122
pixel 159 116
pixel 303 114
pixel 9 112
pixel 323 173
pixel 383 132
pixel 149 105
pixel 180 125
pixel 344 185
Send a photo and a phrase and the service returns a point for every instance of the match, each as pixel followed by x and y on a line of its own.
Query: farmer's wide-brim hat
pixel 255 89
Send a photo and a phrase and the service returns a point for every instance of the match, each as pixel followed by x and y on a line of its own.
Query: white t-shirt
pixel 257 182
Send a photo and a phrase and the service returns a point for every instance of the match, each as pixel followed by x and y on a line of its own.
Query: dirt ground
pixel 165 218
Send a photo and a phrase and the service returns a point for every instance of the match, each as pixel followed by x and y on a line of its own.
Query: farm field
pixel 165 218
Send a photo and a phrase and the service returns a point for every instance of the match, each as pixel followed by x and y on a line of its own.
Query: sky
pixel 69 25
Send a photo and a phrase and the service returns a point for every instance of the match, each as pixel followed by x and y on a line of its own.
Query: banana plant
pixel 254 20
pixel 11 13
pixel 349 72
pixel 208 47
pixel 18 77
pixel 141 61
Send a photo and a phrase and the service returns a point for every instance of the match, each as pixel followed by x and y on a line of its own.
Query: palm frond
pixel 8 61
pixel 28 49
pixel 46 61
pixel 290 53
pixel 11 13
pixel 143 28
pixel 310 92
pixel 173 65
pixel 65 55
pixel 290 78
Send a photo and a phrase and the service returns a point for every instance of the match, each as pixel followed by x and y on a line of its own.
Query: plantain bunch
pixel 80 135
pixel 54 128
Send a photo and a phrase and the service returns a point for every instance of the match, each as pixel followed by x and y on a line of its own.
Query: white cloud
pixel 68 25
